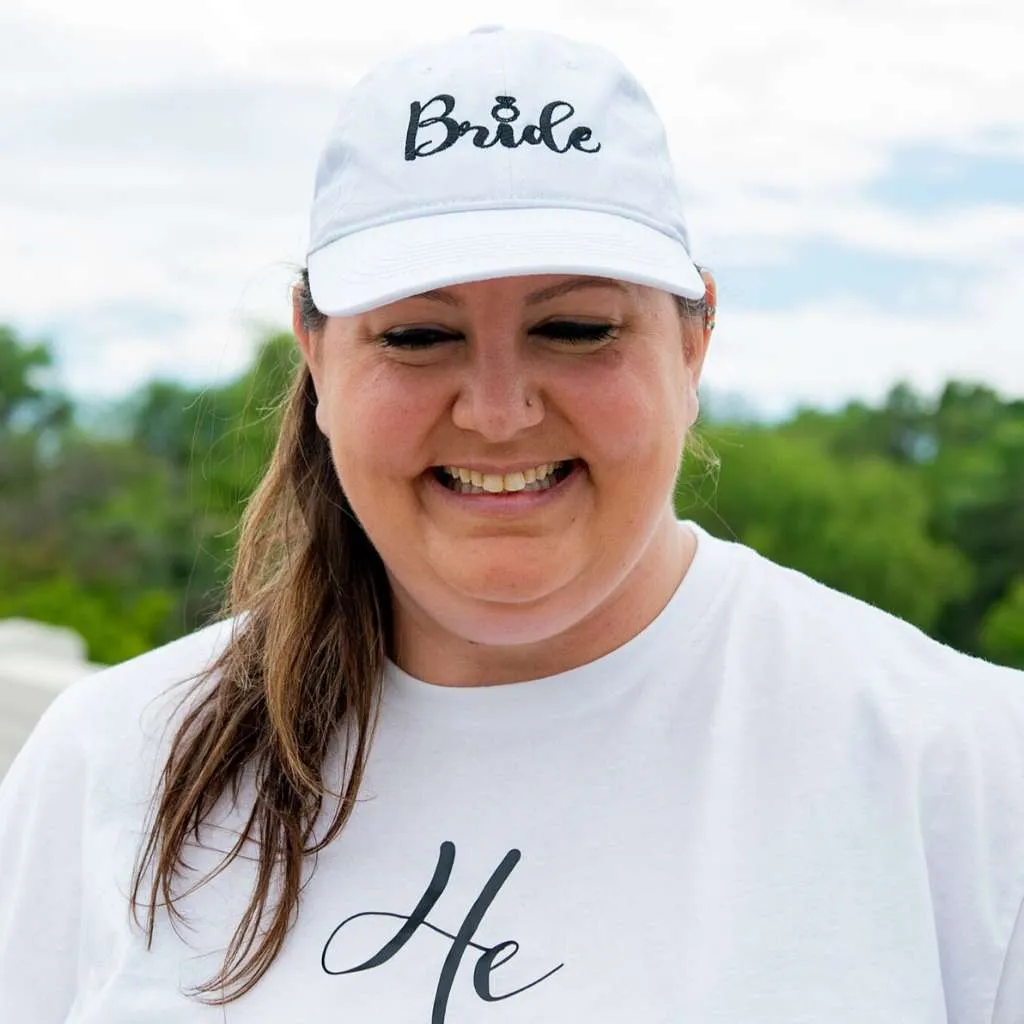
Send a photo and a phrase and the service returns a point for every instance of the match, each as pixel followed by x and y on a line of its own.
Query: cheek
pixel 377 424
pixel 634 412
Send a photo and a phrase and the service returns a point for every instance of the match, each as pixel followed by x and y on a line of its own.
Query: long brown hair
pixel 311 612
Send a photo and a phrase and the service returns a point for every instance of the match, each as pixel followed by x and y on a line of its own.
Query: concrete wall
pixel 36 662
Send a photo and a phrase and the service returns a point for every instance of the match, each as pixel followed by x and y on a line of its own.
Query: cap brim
pixel 393 261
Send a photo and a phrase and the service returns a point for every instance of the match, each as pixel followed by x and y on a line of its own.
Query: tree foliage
pixel 128 539
pixel 916 506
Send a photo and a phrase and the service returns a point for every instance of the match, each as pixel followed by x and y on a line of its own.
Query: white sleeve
pixel 1009 1008
pixel 42 800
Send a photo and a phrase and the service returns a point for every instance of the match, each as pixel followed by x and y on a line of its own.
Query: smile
pixel 536 478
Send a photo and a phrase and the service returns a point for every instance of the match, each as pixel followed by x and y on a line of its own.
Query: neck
pixel 431 653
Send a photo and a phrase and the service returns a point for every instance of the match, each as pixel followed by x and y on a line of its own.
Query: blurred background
pixel 854 176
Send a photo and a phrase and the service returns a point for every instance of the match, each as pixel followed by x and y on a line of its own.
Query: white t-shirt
pixel 776 805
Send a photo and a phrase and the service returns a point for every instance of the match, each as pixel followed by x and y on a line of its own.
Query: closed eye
pixel 416 337
pixel 569 332
pixel 576 332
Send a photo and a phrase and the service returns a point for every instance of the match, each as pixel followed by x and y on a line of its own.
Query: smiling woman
pixel 478 695
pixel 581 383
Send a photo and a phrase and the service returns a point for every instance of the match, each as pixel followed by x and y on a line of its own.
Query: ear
pixel 309 346
pixel 306 342
pixel 702 338
pixel 693 405
pixel 710 289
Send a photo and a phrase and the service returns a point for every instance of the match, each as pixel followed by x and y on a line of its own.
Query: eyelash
pixel 569 332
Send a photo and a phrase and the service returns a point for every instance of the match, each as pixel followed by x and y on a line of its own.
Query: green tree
pixel 26 404
pixel 916 505
pixel 976 491
pixel 859 525
pixel 128 538
pixel 1002 630
pixel 216 443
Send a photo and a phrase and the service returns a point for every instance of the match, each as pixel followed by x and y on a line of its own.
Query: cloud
pixel 931 179
pixel 822 353
pixel 853 174
pixel 237 146
pixel 819 270
pixel 747 230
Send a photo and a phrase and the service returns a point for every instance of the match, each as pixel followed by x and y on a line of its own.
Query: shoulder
pixel 115 721
pixel 117 697
pixel 866 703
pixel 824 628
pixel 72 808
pixel 835 659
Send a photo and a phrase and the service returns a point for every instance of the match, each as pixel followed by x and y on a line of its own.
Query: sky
pixel 852 172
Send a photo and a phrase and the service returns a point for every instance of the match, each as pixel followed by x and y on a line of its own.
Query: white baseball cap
pixel 501 153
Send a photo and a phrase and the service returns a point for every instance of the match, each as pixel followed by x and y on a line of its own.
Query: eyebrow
pixel 542 294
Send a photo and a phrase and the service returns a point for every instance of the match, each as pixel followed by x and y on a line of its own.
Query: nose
pixel 497 397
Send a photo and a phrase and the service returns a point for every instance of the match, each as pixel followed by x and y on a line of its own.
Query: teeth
pixel 470 481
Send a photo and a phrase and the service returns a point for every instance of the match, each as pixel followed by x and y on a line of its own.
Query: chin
pixel 501 606
pixel 501 627
pixel 510 586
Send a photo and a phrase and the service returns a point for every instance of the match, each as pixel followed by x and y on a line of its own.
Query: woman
pixel 487 734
